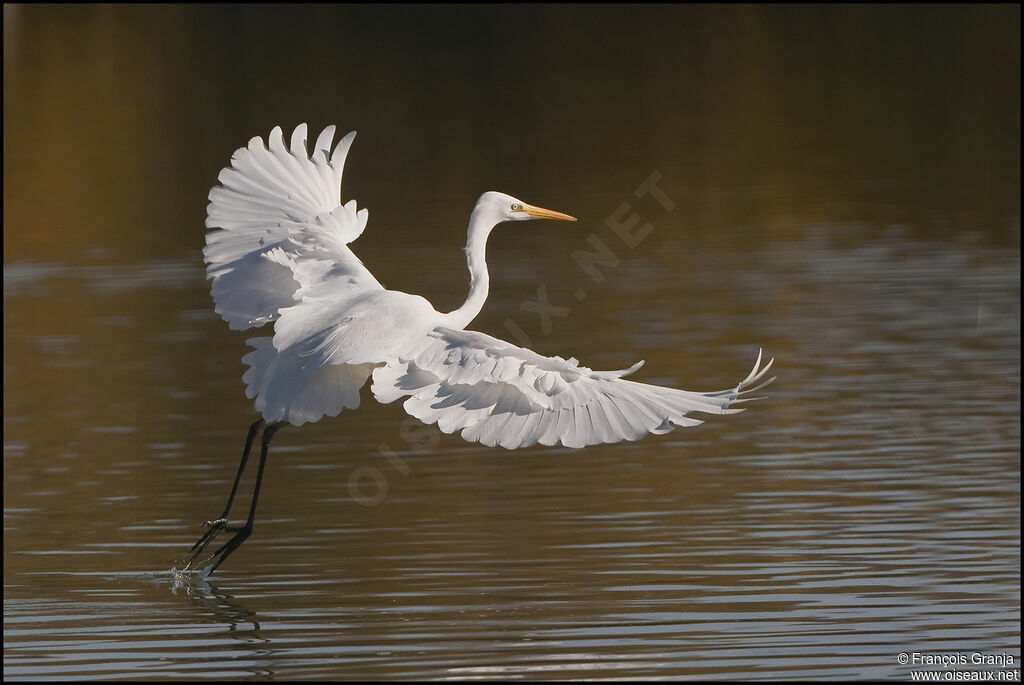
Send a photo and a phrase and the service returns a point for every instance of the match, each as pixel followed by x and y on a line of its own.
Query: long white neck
pixel 481 222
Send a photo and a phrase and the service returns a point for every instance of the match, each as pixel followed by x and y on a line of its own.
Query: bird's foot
pixel 215 527
pixel 225 550
pixel 222 521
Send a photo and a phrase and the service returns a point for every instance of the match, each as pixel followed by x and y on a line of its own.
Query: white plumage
pixel 500 394
pixel 281 225
pixel 280 254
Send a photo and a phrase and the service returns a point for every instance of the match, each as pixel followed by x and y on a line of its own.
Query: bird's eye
pixel 517 208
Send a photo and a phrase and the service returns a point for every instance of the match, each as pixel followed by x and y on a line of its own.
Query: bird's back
pixel 373 326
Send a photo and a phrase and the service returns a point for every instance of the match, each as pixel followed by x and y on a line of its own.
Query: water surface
pixel 869 506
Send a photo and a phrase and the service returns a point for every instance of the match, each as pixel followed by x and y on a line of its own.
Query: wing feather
pixel 499 394
pixel 276 200
pixel 322 150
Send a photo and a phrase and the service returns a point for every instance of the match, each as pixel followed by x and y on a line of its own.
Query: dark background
pixel 117 119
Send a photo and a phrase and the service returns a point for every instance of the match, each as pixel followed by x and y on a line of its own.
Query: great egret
pixel 280 253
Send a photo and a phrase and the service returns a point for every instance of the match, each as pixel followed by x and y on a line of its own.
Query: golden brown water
pixel 842 188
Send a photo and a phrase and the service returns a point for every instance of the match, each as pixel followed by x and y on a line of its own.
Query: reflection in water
pixel 131 610
pixel 236 622
pixel 846 192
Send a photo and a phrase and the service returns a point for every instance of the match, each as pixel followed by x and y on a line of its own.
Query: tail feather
pixel 287 389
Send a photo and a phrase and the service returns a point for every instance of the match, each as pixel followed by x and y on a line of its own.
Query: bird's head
pixel 501 207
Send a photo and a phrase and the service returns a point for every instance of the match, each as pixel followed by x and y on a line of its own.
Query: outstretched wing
pixel 282 230
pixel 499 394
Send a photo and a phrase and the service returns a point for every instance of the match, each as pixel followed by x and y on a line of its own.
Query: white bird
pixel 280 254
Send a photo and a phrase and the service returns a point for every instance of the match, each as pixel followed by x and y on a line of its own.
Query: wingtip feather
pixel 298 141
pixel 341 150
pixel 323 143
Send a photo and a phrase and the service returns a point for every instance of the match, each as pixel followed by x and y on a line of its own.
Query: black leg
pixel 243 533
pixel 253 429
pixel 216 526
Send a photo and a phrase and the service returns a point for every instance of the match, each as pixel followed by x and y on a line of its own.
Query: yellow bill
pixel 541 213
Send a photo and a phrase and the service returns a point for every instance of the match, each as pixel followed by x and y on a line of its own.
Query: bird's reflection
pixel 217 607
